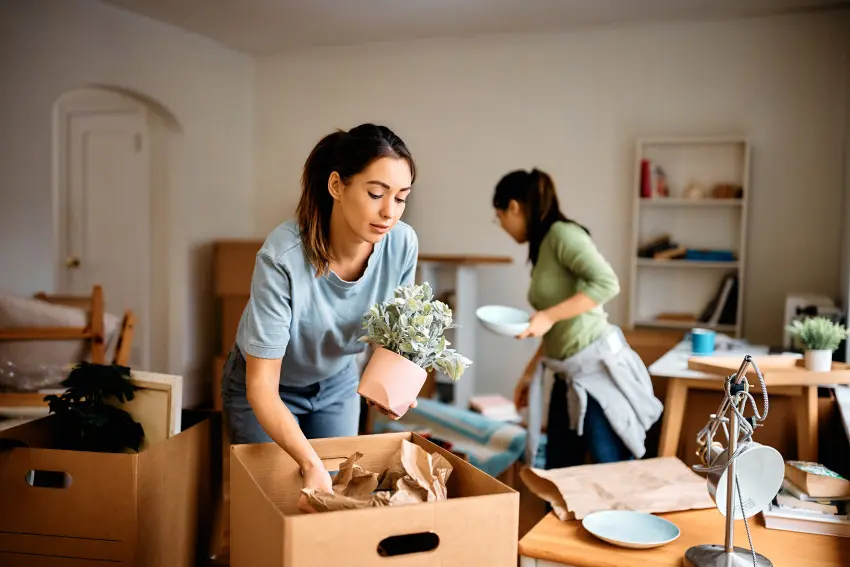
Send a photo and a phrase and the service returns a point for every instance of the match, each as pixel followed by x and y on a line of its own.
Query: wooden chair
pixel 94 332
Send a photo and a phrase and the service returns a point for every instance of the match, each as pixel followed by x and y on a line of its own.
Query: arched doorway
pixel 110 208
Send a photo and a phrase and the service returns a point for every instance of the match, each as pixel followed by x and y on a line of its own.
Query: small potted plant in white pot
pixel 819 337
pixel 407 334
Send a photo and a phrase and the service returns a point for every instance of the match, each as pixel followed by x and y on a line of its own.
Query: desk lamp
pixel 743 484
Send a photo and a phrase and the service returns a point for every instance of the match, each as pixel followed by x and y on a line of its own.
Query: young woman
pixel 291 376
pixel 602 398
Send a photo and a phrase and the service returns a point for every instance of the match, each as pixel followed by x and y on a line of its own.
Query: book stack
pixel 663 247
pixel 813 499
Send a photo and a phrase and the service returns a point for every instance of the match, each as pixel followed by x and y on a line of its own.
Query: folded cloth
pixel 610 371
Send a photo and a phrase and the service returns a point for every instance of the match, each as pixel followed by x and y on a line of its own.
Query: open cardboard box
pixel 477 525
pixel 73 508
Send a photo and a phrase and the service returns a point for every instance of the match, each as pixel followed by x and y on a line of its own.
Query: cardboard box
pixel 477 525
pixel 232 307
pixel 233 266
pixel 73 508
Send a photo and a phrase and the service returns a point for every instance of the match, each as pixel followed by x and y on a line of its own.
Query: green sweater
pixel 568 263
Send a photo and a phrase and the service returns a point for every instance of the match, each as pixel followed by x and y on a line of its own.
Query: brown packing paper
pixel 412 476
pixel 659 485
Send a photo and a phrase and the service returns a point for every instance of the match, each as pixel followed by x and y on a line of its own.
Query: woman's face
pixel 512 220
pixel 373 200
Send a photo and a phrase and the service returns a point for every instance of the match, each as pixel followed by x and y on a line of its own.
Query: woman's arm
pixel 262 381
pixel 544 320
pixel 597 281
pixel 522 386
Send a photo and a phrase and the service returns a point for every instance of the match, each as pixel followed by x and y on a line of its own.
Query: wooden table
pixel 553 543
pixel 784 375
pixel 673 366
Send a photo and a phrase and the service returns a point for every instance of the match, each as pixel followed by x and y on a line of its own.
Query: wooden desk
pixel 674 367
pixel 784 375
pixel 553 543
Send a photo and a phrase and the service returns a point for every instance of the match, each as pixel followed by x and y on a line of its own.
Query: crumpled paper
pixel 413 476
pixel 655 486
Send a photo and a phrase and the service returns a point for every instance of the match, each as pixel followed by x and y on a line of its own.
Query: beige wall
pixel 573 104
pixel 471 110
pixel 47 48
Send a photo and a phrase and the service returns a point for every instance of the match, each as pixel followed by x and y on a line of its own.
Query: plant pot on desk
pixel 391 381
pixel 818 360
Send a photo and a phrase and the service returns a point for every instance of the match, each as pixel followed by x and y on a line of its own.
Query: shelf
pixel 649 262
pixel 464 259
pixel 691 283
pixel 684 202
pixel 693 141
pixel 684 325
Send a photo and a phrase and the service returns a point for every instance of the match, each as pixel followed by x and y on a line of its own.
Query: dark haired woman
pixel 602 399
pixel 291 376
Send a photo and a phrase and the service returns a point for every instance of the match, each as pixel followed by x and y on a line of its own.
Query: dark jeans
pixel 330 408
pixel 565 448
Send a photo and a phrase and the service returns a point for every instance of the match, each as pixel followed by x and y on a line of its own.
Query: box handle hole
pixel 48 479
pixel 408 543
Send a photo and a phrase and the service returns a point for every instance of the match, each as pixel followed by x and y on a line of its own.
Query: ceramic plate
pixel 503 320
pixel 626 528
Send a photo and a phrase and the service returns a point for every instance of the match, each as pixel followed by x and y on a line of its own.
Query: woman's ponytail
pixel 314 208
pixel 535 191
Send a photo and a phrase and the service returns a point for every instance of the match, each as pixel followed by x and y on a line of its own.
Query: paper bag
pixel 413 476
pixel 659 485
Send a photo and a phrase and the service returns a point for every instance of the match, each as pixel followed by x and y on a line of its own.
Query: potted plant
pixel 89 418
pixel 819 337
pixel 407 333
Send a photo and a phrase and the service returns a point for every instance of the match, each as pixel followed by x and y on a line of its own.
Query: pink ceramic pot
pixel 391 381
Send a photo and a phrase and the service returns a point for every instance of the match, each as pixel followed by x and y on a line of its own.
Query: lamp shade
pixel 760 470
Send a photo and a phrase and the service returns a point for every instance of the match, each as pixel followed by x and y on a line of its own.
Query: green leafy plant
pixel 87 422
pixel 412 324
pixel 817 333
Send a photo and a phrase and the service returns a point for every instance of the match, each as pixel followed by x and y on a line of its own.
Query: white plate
pixel 626 528
pixel 507 321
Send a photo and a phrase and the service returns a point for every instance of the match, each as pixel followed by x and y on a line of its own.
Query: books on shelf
pixel 653 181
pixel 723 306
pixel 664 247
pixel 823 512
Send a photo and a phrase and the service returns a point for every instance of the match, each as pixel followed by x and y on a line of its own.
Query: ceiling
pixel 263 27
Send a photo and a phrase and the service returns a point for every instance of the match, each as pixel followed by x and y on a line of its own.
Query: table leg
pixel 674 414
pixel 807 424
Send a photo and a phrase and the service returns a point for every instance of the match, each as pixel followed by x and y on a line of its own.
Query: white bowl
pixel 627 528
pixel 507 321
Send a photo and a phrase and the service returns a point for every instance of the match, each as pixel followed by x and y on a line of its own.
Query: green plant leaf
pixel 412 323
pixel 817 333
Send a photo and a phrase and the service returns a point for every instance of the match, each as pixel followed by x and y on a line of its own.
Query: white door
pixel 103 216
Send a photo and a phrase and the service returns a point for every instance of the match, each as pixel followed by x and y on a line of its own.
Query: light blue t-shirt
pixel 312 323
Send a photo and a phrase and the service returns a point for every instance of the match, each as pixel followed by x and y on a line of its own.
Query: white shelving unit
pixel 686 286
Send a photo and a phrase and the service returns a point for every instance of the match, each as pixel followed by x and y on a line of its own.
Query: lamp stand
pixel 714 555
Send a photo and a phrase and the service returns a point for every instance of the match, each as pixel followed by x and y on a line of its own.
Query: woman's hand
pixel 524 383
pixel 317 478
pixel 538 326
pixel 521 390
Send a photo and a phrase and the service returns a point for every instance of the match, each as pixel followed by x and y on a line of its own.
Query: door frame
pixel 91 102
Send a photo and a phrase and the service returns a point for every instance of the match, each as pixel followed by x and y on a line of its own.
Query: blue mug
pixel 702 341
